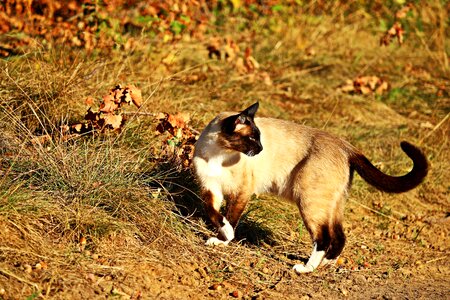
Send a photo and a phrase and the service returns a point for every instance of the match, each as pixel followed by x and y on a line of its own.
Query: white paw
pixel 213 241
pixel 300 268
pixel 227 230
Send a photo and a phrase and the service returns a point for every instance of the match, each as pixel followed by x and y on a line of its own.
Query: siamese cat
pixel 238 155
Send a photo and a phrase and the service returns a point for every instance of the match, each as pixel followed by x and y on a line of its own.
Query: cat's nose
pixel 259 149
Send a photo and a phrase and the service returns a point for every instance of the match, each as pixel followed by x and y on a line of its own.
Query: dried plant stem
pixel 22 252
pixel 140 113
pixel 375 211
pixel 10 274
pixel 436 259
pixel 435 128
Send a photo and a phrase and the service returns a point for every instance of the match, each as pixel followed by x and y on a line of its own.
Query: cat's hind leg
pixel 328 244
pixel 337 244
pixel 313 263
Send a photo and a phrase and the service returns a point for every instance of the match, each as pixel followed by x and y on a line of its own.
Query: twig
pixel 23 252
pixel 435 128
pixel 436 259
pixel 331 114
pixel 138 113
pixel 376 211
pixel 8 273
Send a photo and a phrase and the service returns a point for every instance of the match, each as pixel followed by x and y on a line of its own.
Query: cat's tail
pixel 392 184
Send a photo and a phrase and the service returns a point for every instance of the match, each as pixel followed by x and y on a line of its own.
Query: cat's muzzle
pixel 254 152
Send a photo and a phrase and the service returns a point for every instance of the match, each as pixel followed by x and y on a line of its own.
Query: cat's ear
pixel 251 110
pixel 229 124
pixel 236 122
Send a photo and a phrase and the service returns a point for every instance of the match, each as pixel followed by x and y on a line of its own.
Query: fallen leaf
pixel 396 31
pixel 136 95
pixel 365 85
pixel 108 105
pixel 382 88
pixel 125 97
pixel 89 101
pixel 403 12
pixel 348 86
pixel 179 120
pixel 372 82
pixel 115 121
pixel 161 116
pixel 365 90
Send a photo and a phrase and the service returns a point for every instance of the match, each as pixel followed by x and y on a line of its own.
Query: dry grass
pixel 142 220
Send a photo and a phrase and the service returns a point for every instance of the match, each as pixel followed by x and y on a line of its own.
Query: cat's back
pixel 281 137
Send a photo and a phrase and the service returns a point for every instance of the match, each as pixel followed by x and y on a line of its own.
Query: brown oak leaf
pixel 115 121
pixel 108 105
pixel 136 95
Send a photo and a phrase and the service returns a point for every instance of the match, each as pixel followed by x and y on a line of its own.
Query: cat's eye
pixel 252 139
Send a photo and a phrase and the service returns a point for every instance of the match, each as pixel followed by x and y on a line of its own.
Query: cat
pixel 238 155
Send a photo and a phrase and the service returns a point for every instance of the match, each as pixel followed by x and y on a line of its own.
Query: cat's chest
pixel 213 170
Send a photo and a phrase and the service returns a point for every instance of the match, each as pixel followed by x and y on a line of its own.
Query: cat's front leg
pixel 213 200
pixel 236 206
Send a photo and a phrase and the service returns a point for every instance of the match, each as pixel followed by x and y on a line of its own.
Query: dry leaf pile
pixel 101 25
pixel 109 115
pixel 365 85
pixel 396 30
pixel 180 137
pixel 243 62
pixel 96 24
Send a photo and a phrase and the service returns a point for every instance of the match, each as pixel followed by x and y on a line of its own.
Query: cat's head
pixel 239 132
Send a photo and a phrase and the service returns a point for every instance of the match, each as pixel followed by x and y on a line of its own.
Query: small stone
pixel 216 287
pixel 28 268
pixel 236 294
pixel 340 261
